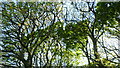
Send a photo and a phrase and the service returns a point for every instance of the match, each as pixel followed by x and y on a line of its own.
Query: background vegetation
pixel 44 34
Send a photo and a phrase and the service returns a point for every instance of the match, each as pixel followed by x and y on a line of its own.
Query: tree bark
pixel 28 64
pixel 95 48
pixel 96 54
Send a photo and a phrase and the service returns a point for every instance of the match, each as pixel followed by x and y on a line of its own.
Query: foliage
pixel 39 34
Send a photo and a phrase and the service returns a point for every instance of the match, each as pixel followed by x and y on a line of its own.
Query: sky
pixel 108 41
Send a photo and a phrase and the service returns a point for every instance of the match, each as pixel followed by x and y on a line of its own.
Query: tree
pixel 26 27
pixel 43 34
pixel 111 18
pixel 95 24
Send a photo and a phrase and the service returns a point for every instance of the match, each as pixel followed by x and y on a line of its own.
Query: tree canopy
pixel 42 34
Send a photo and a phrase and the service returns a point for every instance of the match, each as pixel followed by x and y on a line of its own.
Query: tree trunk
pixel 88 58
pixel 95 48
pixel 96 54
pixel 28 64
